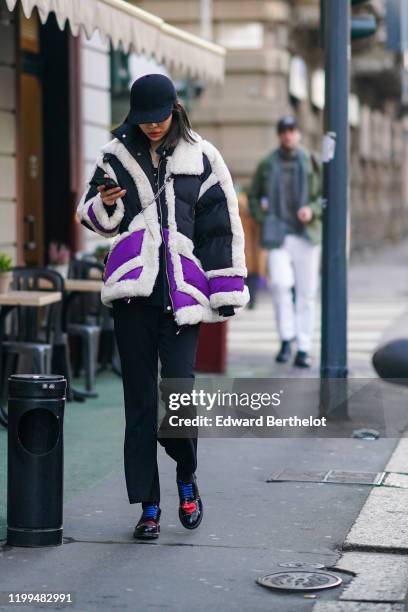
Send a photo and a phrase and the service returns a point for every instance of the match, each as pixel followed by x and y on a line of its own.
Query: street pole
pixel 336 194
pixel 206 19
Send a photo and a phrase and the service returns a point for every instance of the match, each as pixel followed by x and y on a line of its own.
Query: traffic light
pixel 362 26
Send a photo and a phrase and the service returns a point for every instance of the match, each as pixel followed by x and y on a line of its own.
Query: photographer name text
pixel 259 421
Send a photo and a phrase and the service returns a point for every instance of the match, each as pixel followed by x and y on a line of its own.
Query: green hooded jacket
pixel 259 188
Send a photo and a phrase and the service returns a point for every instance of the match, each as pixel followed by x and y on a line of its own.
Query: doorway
pixel 57 207
pixel 44 136
pixel 30 138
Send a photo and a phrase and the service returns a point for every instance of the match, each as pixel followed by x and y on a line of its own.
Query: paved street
pixel 253 338
pixel 250 527
pixel 378 297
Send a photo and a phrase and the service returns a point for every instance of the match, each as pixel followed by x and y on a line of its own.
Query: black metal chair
pixel 84 316
pixel 33 332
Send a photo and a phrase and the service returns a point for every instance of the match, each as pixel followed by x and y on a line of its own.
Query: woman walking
pixel 167 197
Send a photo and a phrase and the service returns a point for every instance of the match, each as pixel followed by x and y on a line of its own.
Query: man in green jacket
pixel 285 198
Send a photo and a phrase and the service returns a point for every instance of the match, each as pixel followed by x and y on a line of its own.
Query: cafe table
pixel 10 300
pixel 83 285
pixel 27 298
pixel 78 285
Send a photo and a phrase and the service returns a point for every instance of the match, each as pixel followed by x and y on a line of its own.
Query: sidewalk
pixel 377 312
pixel 250 526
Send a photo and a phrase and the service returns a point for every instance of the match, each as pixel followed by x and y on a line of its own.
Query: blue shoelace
pixel 186 489
pixel 151 511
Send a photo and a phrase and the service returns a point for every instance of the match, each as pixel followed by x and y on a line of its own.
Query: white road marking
pixel 254 331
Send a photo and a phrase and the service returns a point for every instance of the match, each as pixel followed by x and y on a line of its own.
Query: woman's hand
pixel 109 196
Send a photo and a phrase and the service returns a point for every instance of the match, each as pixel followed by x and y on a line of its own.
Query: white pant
pixel 295 264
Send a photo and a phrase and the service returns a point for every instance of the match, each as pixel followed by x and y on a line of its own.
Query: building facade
pixel 275 66
pixel 56 109
pixel 54 114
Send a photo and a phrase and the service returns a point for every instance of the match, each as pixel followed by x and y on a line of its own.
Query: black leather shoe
pixel 252 284
pixel 148 528
pixel 191 506
pixel 285 352
pixel 302 360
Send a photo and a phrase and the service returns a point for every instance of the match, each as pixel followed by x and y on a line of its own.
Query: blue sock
pixel 185 488
pixel 150 510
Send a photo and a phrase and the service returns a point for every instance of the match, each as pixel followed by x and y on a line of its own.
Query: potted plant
pixel 59 255
pixel 101 252
pixel 5 272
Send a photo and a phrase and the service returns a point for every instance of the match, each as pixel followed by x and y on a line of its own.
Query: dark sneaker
pixel 285 352
pixel 148 526
pixel 252 284
pixel 302 360
pixel 191 506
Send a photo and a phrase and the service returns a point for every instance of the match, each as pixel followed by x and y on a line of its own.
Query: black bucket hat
pixel 152 99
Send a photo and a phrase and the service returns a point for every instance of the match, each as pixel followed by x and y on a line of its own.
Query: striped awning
pixel 132 28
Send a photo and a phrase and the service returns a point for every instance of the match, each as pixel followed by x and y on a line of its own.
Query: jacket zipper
pixel 165 251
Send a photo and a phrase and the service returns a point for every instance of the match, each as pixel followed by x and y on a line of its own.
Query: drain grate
pixel 299 581
pixel 373 478
pixel 329 476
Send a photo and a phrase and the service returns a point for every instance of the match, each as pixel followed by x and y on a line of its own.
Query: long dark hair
pixel 180 127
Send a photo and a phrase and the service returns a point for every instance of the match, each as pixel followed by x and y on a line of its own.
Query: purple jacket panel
pixel 126 249
pixel 224 284
pixel 96 223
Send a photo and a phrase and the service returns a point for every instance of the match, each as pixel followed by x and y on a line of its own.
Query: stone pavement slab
pixel 382 523
pixel 379 577
pixel 342 606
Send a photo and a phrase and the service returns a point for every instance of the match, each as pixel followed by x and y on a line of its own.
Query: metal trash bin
pixel 35 460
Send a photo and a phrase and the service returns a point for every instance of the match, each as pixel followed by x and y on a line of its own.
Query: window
pixel 241 36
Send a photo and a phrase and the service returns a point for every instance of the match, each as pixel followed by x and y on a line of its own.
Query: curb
pixel 376 547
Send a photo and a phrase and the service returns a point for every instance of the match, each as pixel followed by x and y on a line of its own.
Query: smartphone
pixel 107 183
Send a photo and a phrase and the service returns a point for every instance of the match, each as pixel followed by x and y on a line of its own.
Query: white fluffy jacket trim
pixel 136 267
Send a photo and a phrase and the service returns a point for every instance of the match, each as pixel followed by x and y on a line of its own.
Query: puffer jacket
pixel 195 219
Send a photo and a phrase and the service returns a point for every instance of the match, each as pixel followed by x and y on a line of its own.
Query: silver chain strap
pixel 169 178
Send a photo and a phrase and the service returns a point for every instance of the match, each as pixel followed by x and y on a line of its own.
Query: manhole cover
pixel 299 580
pixel 301 565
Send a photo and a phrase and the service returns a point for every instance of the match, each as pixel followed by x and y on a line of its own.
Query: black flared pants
pixel 145 333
